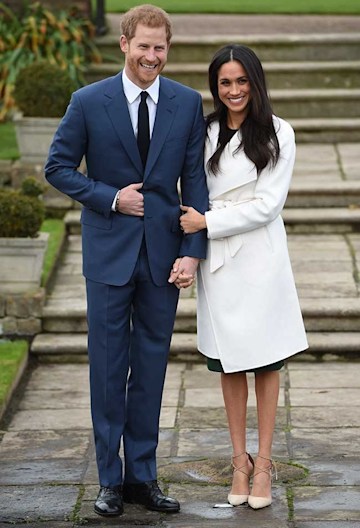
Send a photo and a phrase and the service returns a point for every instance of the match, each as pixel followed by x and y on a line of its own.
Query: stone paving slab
pixel 40 524
pixel 320 443
pixel 327 503
pixel 60 377
pixel 323 377
pixel 327 524
pixel 324 397
pixel 29 472
pixel 322 417
pixel 54 399
pixel 30 445
pixel 339 471
pixel 36 503
pixel 53 419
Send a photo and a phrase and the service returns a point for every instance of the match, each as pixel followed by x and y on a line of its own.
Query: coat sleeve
pixel 65 155
pixel 194 190
pixel 269 197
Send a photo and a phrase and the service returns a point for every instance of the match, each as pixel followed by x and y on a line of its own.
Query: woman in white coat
pixel 249 318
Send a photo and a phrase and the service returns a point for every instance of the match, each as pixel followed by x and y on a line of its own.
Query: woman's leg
pixel 235 392
pixel 267 393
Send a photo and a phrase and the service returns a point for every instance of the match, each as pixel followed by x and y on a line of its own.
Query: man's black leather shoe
pixel 150 495
pixel 109 502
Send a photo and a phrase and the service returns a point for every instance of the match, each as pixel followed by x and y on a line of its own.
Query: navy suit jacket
pixel 97 124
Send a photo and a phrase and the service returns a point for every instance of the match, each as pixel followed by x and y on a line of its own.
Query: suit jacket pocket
pixel 91 218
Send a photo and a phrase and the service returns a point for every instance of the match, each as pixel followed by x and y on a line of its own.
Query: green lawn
pixel 244 6
pixel 8 143
pixel 56 228
pixel 12 353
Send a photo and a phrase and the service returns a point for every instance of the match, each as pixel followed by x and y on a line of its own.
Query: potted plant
pixel 22 247
pixel 42 92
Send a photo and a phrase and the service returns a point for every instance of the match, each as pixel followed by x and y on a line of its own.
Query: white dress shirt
pixel 132 93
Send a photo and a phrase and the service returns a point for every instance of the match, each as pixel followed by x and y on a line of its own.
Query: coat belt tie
pixel 217 245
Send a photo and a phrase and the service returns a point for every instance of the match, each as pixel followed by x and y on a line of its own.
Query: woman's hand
pixel 191 221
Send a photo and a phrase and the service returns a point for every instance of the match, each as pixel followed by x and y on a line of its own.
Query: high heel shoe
pixel 261 502
pixel 236 500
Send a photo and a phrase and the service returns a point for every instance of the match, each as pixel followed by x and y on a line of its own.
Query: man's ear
pixel 124 45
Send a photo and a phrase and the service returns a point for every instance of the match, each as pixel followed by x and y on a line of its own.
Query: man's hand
pixel 183 272
pixel 191 221
pixel 130 200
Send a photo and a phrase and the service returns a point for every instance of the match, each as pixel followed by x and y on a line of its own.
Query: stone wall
pixel 20 314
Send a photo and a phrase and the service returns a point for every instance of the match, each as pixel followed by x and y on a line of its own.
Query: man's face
pixel 145 54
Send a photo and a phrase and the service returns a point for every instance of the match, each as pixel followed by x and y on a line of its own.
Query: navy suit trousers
pixel 130 330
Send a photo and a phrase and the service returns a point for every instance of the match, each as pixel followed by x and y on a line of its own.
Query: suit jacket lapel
pixel 118 112
pixel 165 115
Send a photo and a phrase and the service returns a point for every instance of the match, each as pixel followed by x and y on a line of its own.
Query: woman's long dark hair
pixel 259 139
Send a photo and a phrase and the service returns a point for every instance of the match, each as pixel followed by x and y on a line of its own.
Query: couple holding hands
pixel 142 243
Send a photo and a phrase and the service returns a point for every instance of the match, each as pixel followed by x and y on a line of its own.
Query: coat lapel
pixel 165 115
pixel 118 112
pixel 236 169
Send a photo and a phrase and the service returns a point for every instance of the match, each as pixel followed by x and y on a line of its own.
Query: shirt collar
pixel 132 91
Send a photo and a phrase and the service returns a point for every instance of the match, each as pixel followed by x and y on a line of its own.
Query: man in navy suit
pixel 135 256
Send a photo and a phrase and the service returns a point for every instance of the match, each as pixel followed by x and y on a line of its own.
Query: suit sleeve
pixel 66 152
pixel 194 190
pixel 270 195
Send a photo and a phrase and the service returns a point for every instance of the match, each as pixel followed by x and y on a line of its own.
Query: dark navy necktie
pixel 143 138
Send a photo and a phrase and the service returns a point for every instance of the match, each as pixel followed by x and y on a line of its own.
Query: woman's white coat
pixel 248 310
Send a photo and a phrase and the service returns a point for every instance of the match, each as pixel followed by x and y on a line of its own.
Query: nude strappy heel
pixel 261 502
pixel 236 500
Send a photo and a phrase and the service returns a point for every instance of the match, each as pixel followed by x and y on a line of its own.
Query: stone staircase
pixel 314 82
pixel 322 217
pixel 314 79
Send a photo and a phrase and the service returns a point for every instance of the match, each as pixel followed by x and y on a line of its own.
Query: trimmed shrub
pixel 43 90
pixel 22 212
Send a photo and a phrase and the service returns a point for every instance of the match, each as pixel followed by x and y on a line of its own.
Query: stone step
pixel 316 194
pixel 322 220
pixel 68 316
pixel 183 345
pixel 269 48
pixel 326 130
pixel 297 220
pixel 281 75
pixel 308 103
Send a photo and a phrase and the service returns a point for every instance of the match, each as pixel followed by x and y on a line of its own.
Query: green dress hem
pixel 215 366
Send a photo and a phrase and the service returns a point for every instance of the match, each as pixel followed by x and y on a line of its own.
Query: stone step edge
pixel 315 308
pixel 304 215
pixel 73 344
pixel 295 38
pixel 304 94
pixel 321 215
pixel 199 67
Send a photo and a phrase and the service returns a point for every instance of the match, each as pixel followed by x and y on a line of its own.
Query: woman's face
pixel 234 89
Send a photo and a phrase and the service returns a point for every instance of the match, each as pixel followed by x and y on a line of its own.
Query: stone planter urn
pixel 21 263
pixel 34 136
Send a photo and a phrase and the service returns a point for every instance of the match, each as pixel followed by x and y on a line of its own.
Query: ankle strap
pixel 272 469
pixel 264 458
pixel 241 454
